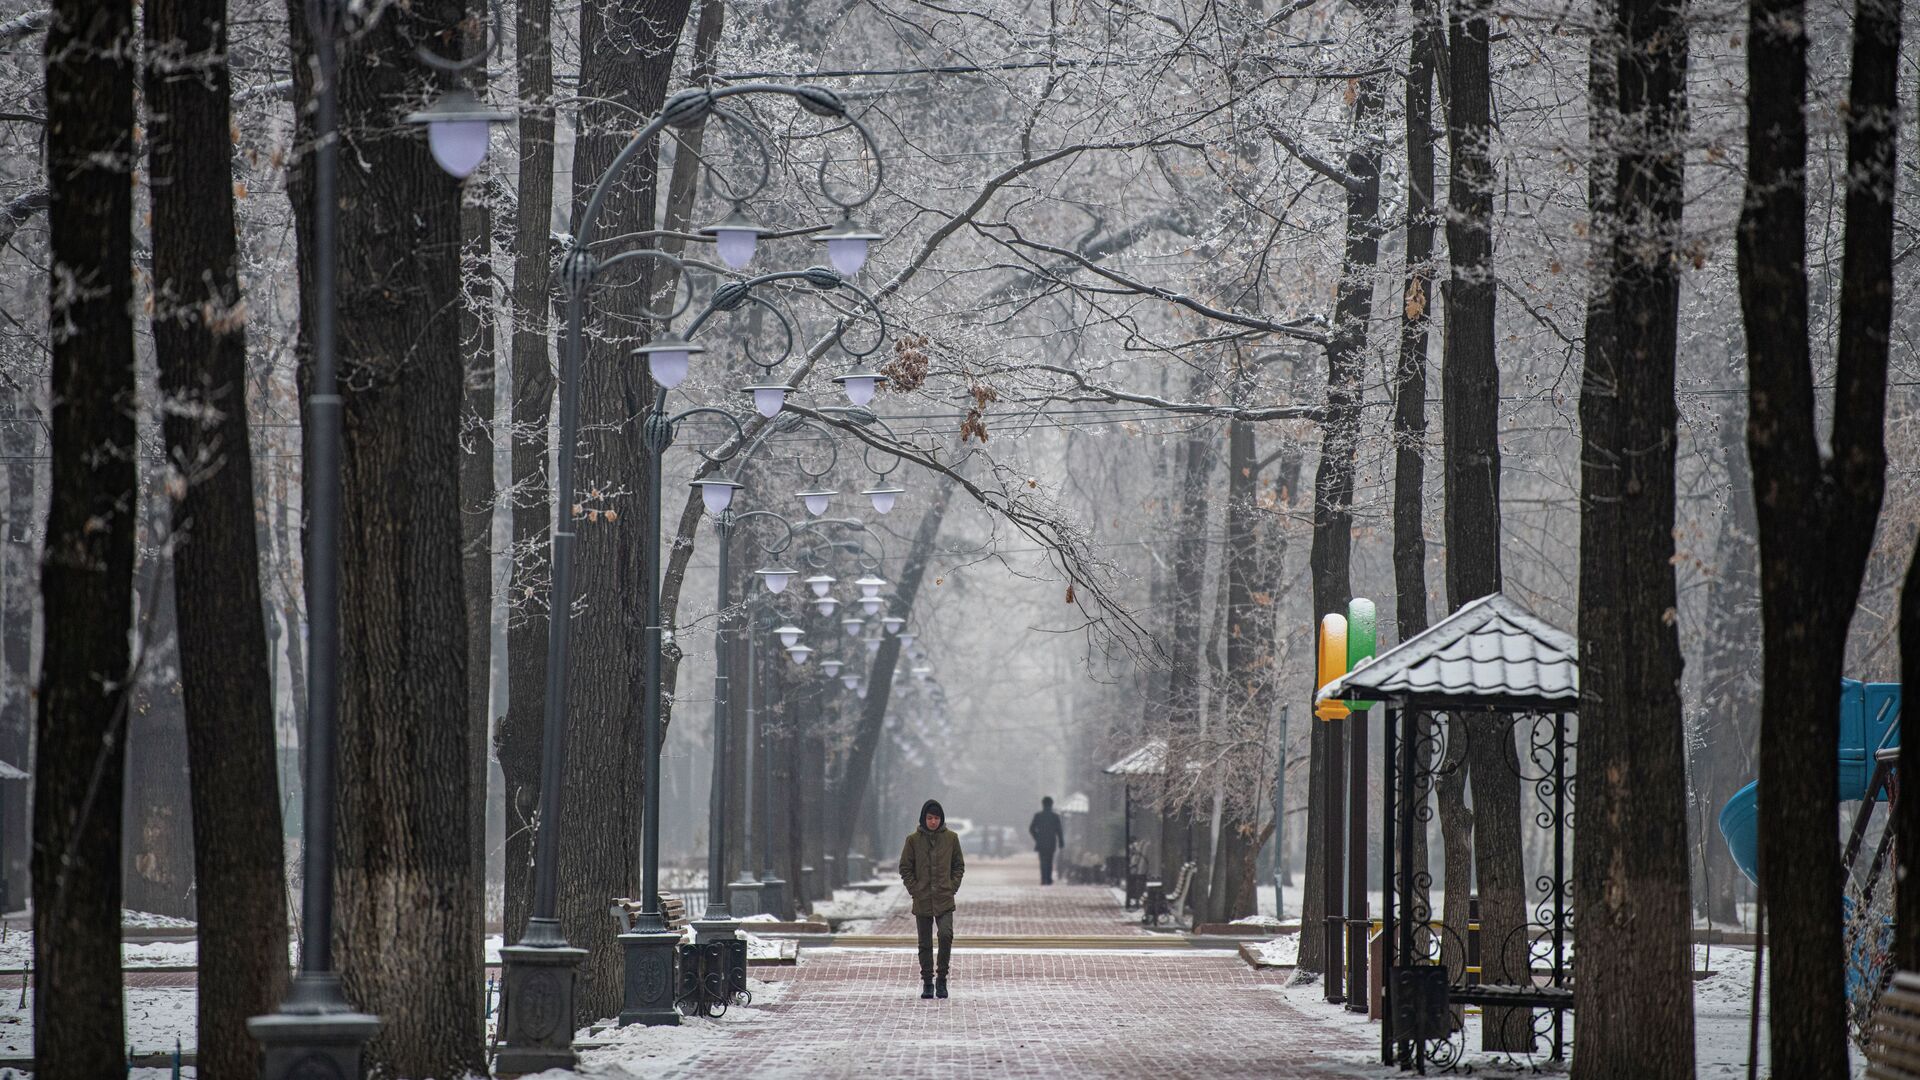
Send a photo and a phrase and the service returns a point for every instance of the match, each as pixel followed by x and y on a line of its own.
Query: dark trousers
pixel 925 924
pixel 1046 866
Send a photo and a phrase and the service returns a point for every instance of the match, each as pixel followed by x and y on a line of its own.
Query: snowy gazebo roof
pixel 1147 759
pixel 1491 654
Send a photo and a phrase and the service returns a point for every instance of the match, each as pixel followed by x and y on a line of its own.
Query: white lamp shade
pixel 789 635
pixel 860 691
pixel 906 638
pixel 737 246
pixel 716 494
pixel 921 672
pixel 853 626
pixel 668 366
pixel 870 604
pixel 831 667
pixel 827 605
pixel 847 254
pixel 820 583
pixel 883 499
pixel 776 579
pixel 893 623
pixel 870 586
pixel 873 645
pixel 459 146
pixel 768 400
pixel 799 653
pixel 817 502
pixel 849 680
pixel 859 388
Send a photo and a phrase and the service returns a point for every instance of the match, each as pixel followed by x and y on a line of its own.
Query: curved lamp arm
pixel 774 548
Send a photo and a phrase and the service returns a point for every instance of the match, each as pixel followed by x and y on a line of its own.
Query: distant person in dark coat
pixel 1047 837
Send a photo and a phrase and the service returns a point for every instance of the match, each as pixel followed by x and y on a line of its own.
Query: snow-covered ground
pixel 857 911
pixel 634 1052
pixel 1722 1005
pixel 155 1018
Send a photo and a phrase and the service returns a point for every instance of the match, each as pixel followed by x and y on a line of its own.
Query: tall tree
pixel 1410 377
pixel 851 797
pixel 1635 989
pixel 518 737
pixel 626 63
pixel 199 338
pixel 1816 509
pixel 86 577
pixel 407 905
pixel 480 364
pixel 1331 556
pixel 1470 382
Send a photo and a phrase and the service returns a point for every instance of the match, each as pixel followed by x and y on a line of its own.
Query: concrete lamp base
pixel 536 1008
pixel 743 897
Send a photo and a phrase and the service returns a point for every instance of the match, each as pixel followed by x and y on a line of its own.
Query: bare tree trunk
pixel 19 439
pixel 408 906
pixel 157 852
pixel 1471 385
pixel 1635 991
pixel 626 63
pixel 1178 809
pixel 480 364
pixel 1729 699
pixel 517 739
pixel 225 674
pixel 851 797
pixel 1816 511
pixel 86 579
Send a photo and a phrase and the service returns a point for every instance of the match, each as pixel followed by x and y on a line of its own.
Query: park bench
pixel 625 911
pixel 1161 904
pixel 1893 1052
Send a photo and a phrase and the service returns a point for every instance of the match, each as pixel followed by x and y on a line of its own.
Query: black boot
pixel 926 988
pixel 940 988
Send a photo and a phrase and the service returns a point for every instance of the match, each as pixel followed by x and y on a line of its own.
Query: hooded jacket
pixel 931 865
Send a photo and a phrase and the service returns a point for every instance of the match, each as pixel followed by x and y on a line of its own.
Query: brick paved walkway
pixel 1001 897
pixel 1027 1013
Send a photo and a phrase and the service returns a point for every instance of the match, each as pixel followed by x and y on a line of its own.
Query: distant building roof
pixel 1491 654
pixel 1148 759
pixel 8 771
pixel 1076 803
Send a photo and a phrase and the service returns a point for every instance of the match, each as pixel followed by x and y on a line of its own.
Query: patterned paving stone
pixel 1000 897
pixel 1028 1013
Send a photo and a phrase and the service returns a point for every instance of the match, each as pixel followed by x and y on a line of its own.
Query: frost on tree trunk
pixel 408 905
pixel 86 577
pixel 1635 991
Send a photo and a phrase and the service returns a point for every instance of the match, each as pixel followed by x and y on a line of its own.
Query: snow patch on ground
pixel 631 1053
pixel 155 1018
pixel 856 911
pixel 1283 951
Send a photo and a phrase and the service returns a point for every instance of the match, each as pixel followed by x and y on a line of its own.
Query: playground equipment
pixel 1869 752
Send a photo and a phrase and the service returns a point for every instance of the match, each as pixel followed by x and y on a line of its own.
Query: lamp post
pixel 316 1032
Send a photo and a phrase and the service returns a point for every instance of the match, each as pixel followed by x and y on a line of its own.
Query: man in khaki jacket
pixel 931 867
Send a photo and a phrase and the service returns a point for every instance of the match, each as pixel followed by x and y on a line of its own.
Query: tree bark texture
pixel 1816 511
pixel 1471 391
pixel 852 795
pixel 517 738
pixel 157 852
pixel 627 60
pixel 408 905
pixel 1179 808
pixel 1410 377
pixel 479 364
pixel 86 575
pixel 19 442
pixel 200 344
pixel 1631 881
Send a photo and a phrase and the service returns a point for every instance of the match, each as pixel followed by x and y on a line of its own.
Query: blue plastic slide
pixel 1869 721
